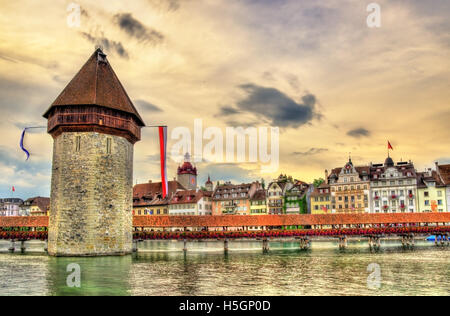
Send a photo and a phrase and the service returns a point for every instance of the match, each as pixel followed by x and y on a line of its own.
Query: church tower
pixel 94 126
pixel 187 174
pixel 209 186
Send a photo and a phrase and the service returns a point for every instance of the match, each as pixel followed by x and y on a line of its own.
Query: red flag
pixel 163 156
pixel 13 189
pixel 390 146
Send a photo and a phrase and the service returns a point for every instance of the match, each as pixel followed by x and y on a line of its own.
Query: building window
pixel 77 143
pixel 108 145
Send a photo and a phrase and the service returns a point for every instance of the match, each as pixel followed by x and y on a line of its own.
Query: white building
pixel 393 187
pixel 191 202
pixel 10 206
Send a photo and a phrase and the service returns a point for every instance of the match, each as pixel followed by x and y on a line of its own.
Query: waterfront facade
pixel 258 203
pixel 295 198
pixel 36 206
pixel 321 199
pixel 431 192
pixel 349 186
pixel 234 198
pixel 276 192
pixel 10 206
pixel 148 197
pixel 393 187
pixel 191 202
pixel 443 172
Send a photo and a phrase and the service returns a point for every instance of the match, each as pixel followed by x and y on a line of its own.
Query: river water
pixel 161 268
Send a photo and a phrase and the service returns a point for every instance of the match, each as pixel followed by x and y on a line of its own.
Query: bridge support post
pixel 12 247
pixel 342 242
pixel 46 245
pixel 304 243
pixel 265 245
pixel 225 245
pixel 135 245
pixel 185 246
pixel 22 246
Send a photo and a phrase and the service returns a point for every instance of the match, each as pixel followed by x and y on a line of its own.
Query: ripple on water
pixel 161 268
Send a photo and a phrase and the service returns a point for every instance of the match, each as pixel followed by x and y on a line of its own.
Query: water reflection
pixel 161 268
pixel 99 276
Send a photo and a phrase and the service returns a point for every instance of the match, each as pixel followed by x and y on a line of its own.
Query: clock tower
pixel 187 174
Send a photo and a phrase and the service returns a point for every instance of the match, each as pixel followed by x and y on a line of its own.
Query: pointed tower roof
pixel 96 84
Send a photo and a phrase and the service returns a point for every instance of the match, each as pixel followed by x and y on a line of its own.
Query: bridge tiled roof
pixel 248 220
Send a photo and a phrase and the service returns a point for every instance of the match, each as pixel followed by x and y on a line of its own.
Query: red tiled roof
pixel 238 189
pixel 260 195
pixel 150 193
pixel 42 202
pixel 188 197
pixel 96 84
pixel 444 171
pixel 285 220
pixel 246 220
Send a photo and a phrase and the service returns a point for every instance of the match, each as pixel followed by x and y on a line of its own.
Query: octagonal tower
pixel 94 126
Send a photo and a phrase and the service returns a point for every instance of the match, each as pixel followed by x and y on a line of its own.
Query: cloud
pixel 146 106
pixel 358 132
pixel 274 105
pixel 107 44
pixel 18 57
pixel 226 172
pixel 134 28
pixel 227 111
pixel 310 152
pixel 168 5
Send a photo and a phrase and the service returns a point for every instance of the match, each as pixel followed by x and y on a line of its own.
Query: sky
pixel 333 86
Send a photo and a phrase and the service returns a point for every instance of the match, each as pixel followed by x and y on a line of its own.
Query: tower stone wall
pixel 91 195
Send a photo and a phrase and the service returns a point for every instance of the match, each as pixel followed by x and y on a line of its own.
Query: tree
pixel 263 183
pixel 318 182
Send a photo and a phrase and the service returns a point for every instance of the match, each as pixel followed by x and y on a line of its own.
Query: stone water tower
pixel 94 126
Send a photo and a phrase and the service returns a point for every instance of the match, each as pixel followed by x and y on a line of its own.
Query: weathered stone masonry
pixel 91 195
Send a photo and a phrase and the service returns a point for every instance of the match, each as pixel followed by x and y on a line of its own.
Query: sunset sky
pixel 313 68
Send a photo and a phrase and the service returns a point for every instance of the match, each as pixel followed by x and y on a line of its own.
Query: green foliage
pixel 318 182
pixel 303 205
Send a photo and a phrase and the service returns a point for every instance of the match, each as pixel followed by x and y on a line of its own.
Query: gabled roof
pixel 96 84
pixel 42 202
pixel 148 194
pixel 444 172
pixel 189 197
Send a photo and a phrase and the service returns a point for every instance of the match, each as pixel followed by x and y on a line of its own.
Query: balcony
pixel 97 117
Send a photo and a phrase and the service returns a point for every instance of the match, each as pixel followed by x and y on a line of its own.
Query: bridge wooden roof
pixel 248 220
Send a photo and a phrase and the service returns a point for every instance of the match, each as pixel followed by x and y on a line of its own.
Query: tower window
pixel 108 145
pixel 77 143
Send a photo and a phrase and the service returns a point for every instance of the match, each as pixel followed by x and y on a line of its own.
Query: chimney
pixel 149 181
pixel 326 176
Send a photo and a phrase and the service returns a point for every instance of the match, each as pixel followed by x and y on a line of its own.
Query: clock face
pixel 192 180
